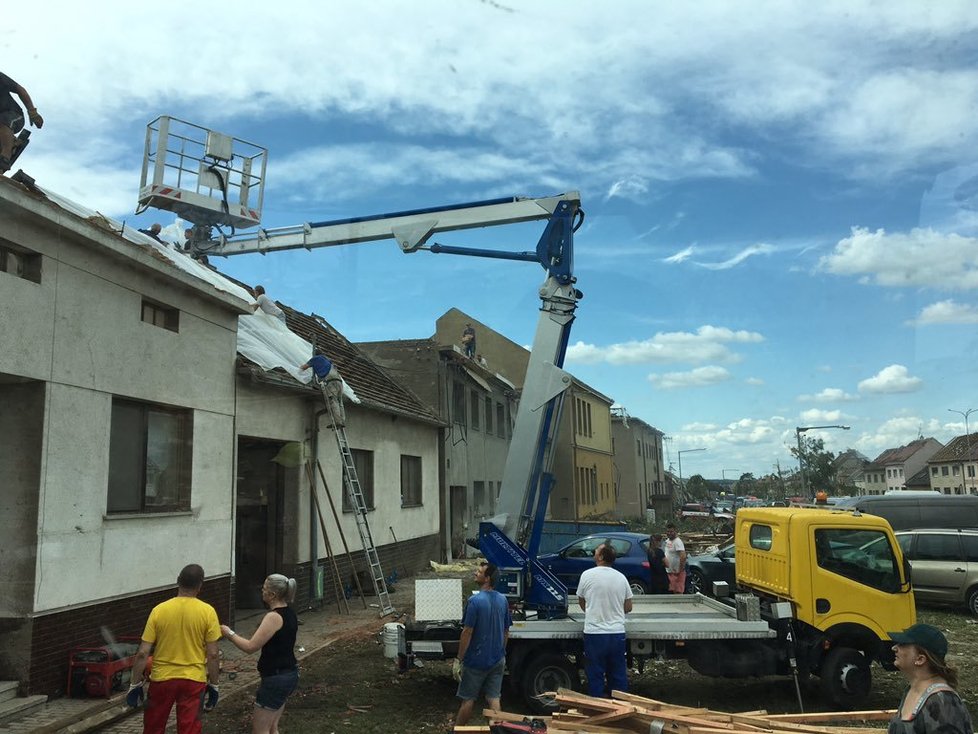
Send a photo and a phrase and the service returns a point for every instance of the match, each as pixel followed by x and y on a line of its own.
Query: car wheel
pixel 638 587
pixel 544 673
pixel 973 600
pixel 845 677
pixel 697 584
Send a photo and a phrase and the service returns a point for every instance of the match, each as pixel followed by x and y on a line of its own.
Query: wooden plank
pixel 875 715
pixel 506 716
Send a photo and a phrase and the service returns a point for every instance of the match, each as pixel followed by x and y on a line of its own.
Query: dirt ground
pixel 350 687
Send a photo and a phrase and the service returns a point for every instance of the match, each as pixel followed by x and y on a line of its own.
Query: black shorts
pixel 14 119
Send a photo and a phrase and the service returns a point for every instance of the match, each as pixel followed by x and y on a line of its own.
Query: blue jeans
pixel 475 681
pixel 605 660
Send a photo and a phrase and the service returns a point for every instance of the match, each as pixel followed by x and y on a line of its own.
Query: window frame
pixel 363 461
pixel 408 498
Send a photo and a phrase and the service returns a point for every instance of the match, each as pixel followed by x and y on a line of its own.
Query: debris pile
pixel 627 713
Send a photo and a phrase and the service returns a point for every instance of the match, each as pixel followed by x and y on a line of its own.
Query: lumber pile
pixel 626 713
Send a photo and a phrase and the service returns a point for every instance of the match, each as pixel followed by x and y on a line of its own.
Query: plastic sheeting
pixel 262 338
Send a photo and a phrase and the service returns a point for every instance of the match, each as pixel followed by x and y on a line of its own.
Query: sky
pixel 781 197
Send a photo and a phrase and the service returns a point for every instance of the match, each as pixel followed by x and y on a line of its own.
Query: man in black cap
pixel 12 118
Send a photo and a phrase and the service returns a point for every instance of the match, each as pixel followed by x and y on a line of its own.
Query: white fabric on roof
pixel 263 339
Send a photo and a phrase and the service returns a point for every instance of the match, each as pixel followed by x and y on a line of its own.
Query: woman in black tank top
pixel 275 637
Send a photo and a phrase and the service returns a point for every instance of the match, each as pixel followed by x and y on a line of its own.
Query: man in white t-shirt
pixel 675 560
pixel 606 597
pixel 266 304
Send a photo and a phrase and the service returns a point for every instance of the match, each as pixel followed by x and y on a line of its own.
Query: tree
pixel 817 463
pixel 697 488
pixel 747 485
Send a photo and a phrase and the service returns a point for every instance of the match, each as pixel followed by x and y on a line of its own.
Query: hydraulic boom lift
pixel 511 539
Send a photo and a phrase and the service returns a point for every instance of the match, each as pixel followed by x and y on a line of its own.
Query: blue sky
pixel 782 199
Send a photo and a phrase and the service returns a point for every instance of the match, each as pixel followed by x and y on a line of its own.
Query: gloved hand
pixel 136 695
pixel 210 697
pixel 457 670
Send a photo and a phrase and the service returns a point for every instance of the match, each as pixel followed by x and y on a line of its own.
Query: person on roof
pixel 12 118
pixel 331 384
pixel 153 231
pixel 468 341
pixel 266 304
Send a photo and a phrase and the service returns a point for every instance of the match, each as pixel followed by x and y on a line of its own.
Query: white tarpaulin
pixel 262 338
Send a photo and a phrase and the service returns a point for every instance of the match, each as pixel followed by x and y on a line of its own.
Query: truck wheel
pixel 973 601
pixel 547 672
pixel 638 587
pixel 697 584
pixel 846 677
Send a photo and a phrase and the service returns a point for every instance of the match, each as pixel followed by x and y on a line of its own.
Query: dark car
pixel 631 550
pixel 705 568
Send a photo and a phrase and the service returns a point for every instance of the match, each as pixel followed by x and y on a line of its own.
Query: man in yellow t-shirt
pixel 185 668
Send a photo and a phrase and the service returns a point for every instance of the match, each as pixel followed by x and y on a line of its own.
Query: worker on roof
pixel 12 118
pixel 330 383
pixel 266 304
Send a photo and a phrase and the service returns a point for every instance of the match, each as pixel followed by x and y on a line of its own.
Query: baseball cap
pixel 925 636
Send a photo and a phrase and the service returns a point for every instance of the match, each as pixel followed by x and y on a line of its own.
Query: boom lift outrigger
pixel 510 540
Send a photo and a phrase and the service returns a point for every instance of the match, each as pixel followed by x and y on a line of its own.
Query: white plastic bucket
pixel 392 639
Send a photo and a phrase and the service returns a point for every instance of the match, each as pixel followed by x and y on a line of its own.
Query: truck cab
pixel 846 580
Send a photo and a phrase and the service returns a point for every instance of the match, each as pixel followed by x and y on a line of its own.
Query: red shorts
pixel 677 582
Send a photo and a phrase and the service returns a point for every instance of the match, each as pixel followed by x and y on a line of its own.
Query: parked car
pixel 631 549
pixel 908 510
pixel 944 565
pixel 703 569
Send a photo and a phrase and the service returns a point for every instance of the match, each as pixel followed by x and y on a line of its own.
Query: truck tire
pixel 547 672
pixel 845 677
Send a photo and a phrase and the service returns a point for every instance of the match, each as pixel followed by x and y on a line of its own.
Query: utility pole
pixel 801 463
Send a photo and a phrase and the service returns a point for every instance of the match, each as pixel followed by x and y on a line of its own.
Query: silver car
pixel 944 565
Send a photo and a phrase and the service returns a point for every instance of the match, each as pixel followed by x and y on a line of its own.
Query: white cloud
pixel 896 432
pixel 814 415
pixel 708 344
pixel 633 187
pixel 829 395
pixel 946 312
pixel 893 379
pixel 754 381
pixel 679 256
pixel 742 432
pixel 697 427
pixel 698 377
pixel 919 258
pixel 739 257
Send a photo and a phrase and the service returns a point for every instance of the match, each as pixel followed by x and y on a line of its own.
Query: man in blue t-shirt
pixel 331 383
pixel 482 647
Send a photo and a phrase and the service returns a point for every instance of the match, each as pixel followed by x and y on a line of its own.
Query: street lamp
pixel 967 434
pixel 680 453
pixel 801 465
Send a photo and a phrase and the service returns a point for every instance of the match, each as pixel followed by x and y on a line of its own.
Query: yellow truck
pixel 835 581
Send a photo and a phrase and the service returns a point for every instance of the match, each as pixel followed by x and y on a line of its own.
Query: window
pixel 943 471
pixel 500 420
pixel 410 480
pixel 955 470
pixel 937 547
pixel 162 316
pixel 150 449
pixel 474 404
pixel 970 548
pixel 363 462
pixel 20 262
pixel 760 537
pixel 458 403
pixel 971 471
pixel 488 416
pixel 638 445
pixel 478 498
pixel 864 556
pixel 933 471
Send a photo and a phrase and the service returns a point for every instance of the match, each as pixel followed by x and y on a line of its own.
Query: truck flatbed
pixel 665 617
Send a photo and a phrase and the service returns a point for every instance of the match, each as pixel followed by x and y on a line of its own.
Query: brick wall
pixel 406 558
pixel 55 635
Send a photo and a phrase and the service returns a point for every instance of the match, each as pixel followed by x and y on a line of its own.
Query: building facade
pixel 639 471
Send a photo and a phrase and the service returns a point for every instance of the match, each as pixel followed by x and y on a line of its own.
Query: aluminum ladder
pixel 351 482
